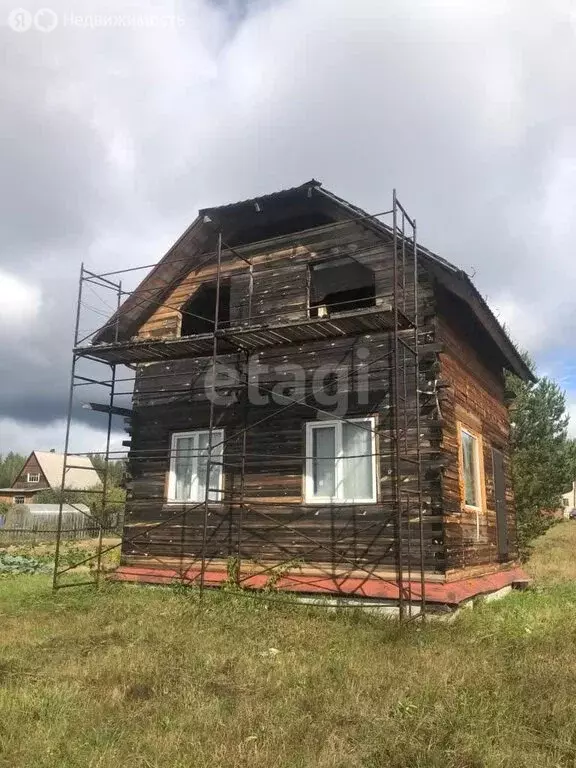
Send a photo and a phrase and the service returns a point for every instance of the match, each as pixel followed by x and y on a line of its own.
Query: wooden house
pixel 319 406
pixel 42 470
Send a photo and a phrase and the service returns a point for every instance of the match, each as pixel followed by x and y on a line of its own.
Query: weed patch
pixel 149 676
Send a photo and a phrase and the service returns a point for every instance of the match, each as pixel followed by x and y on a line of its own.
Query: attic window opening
pixel 33 477
pixel 340 285
pixel 199 312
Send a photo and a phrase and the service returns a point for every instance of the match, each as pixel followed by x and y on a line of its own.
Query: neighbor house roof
pixel 80 474
pixel 289 210
pixel 17 490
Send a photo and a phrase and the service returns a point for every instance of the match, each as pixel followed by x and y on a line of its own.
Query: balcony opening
pixel 199 312
pixel 340 285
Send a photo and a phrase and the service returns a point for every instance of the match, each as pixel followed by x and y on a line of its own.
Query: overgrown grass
pixel 554 558
pixel 72 552
pixel 146 677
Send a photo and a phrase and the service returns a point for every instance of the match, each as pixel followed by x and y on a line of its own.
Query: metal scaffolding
pixel 399 319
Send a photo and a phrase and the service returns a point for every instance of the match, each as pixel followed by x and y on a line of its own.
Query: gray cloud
pixel 113 137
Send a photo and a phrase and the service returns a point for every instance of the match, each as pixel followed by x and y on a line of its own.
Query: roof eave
pixel 134 302
pixel 513 356
pixel 156 283
pixel 490 323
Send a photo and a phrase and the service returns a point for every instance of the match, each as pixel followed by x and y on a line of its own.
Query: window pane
pixel 323 463
pixel 183 461
pixel 357 467
pixel 215 468
pixel 469 459
pixel 201 467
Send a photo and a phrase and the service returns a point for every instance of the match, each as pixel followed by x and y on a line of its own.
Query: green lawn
pixel 140 677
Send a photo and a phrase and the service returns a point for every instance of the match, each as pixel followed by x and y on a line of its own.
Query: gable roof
pixel 288 211
pixel 80 476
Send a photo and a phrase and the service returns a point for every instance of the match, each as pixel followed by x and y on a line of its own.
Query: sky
pixel 120 119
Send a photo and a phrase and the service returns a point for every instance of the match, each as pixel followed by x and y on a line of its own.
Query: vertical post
pixel 406 441
pixel 245 394
pixel 211 421
pixel 118 303
pixel 405 399
pixel 106 472
pixel 108 436
pixel 250 292
pixel 396 406
pixel 418 439
pixel 403 261
pixel 409 549
pixel 68 424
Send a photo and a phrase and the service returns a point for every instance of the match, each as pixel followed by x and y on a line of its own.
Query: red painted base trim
pixel 371 587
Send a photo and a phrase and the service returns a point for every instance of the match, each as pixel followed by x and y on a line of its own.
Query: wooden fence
pixel 35 529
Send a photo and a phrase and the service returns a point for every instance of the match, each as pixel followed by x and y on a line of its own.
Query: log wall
pixel 474 398
pixel 265 520
pixel 280 278
pixel 277 525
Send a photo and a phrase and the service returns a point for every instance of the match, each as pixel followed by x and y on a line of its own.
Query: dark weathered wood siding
pixel 32 466
pixel 280 277
pixel 273 525
pixel 276 526
pixel 474 398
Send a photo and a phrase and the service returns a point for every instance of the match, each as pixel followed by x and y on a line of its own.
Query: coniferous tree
pixel 10 466
pixel 543 458
pixel 116 469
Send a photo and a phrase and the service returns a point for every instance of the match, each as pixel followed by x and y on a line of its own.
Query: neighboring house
pixel 569 500
pixel 43 470
pixel 15 496
pixel 327 503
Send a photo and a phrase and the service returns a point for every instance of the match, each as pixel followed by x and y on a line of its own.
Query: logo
pixel 45 20
pixel 21 20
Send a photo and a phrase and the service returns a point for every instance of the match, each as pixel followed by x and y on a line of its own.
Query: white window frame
pixel 31 475
pixel 477 469
pixel 309 478
pixel 217 437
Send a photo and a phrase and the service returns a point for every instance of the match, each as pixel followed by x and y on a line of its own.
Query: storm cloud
pixel 113 135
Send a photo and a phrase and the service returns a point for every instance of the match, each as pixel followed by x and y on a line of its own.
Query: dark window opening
pixel 340 285
pixel 199 312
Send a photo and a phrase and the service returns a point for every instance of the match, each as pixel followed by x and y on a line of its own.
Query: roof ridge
pixel 288 190
pixel 131 312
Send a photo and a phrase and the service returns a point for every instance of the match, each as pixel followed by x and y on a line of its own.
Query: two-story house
pixel 319 404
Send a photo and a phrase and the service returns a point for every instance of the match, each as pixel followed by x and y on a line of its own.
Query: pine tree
pixel 10 466
pixel 116 469
pixel 542 455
